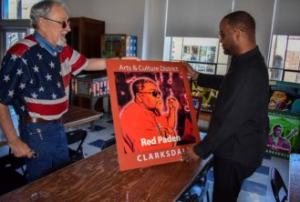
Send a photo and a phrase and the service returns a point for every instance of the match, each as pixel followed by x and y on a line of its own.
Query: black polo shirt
pixel 239 126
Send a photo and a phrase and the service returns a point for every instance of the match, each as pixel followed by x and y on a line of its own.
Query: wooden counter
pixel 78 115
pixel 97 178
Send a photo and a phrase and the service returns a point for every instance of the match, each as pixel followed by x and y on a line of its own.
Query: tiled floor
pixel 256 188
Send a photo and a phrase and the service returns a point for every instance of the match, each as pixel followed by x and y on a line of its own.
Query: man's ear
pixel 41 23
pixel 238 33
pixel 139 97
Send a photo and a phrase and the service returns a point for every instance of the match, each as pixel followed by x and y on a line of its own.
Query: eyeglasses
pixel 64 24
pixel 153 93
pixel 221 34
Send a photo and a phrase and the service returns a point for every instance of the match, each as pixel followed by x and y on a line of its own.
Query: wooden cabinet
pixel 85 36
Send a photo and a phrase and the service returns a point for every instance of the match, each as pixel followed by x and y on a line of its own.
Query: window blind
pixel 287 17
pixel 196 18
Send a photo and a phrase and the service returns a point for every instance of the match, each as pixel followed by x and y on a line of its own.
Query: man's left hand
pixel 189 155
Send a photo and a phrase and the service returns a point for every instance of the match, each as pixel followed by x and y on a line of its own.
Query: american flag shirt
pixel 36 81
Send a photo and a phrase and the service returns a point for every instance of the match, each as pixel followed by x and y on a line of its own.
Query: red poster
pixel 153 114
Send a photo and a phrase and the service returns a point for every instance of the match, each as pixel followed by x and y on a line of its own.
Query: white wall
pixel 287 19
pixel 120 16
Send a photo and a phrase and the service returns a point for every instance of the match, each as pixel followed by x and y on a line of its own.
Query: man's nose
pixel 68 27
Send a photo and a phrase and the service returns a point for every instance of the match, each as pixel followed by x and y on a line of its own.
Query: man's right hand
pixel 191 73
pixel 20 149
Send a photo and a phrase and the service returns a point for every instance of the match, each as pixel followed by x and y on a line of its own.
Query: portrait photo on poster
pixel 285 98
pixel 284 116
pixel 153 113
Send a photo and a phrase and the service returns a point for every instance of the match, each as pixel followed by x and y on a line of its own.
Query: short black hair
pixel 241 20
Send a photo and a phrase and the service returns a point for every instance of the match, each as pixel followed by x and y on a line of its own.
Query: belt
pixel 28 119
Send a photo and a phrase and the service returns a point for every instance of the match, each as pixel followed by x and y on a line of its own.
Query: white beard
pixel 62 41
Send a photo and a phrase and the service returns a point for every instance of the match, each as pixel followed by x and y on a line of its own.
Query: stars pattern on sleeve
pixel 36 68
pixel 6 78
pixel 39 56
pixel 22 86
pixel 13 77
pixel 11 93
pixel 25 61
pixel 34 95
pixel 54 96
pixel 14 57
pixel 52 65
pixel 41 89
pixel 19 72
pixel 48 77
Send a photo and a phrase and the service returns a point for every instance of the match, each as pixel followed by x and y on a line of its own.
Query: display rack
pixel 118 45
pixel 92 86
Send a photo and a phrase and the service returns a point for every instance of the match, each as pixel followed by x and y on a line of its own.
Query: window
pixel 204 54
pixel 12 37
pixel 285 58
pixel 16 9
pixel 12 31
pixel 14 22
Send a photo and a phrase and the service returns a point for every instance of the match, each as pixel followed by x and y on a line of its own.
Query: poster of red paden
pixel 153 114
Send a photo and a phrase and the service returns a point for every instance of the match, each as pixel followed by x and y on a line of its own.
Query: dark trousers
pixel 228 179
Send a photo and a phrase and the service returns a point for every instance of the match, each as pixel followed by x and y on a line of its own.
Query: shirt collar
pixel 45 44
pixel 246 55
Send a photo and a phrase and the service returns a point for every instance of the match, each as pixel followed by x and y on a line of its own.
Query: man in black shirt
pixel 238 131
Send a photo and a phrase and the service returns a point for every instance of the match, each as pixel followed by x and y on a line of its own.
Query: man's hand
pixel 191 73
pixel 20 149
pixel 189 155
